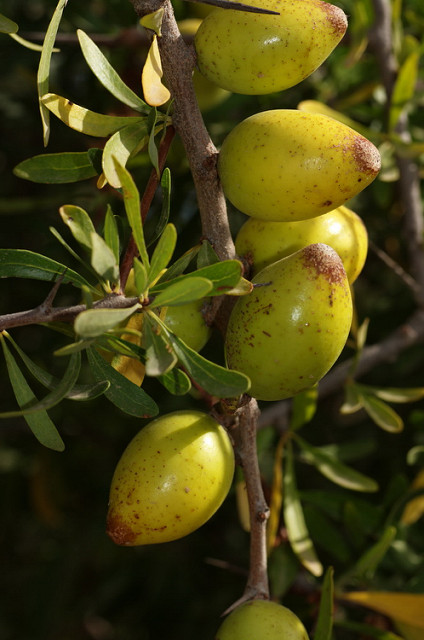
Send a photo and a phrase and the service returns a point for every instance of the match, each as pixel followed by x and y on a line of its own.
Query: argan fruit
pixel 291 329
pixel 188 323
pixel 285 165
pixel 265 242
pixel 170 480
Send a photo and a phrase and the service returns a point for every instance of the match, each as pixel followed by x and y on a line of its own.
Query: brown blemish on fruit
pixel 119 531
pixel 336 17
pixel 325 262
pixel 366 156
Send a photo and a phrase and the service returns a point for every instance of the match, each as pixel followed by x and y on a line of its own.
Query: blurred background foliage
pixel 62 578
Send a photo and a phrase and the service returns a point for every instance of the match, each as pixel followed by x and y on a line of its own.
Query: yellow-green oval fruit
pixel 261 620
pixel 289 331
pixel 265 242
pixel 170 480
pixel 253 53
pixel 188 323
pixel 284 165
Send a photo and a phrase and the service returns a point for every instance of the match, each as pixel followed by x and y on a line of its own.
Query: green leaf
pixel 327 535
pixel 369 561
pixel 335 470
pixel 20 263
pixel 79 223
pixel 304 408
pixel 140 277
pixel 182 292
pixel 415 454
pixel 28 44
pixel 366 630
pixel 224 276
pixel 216 380
pixel 176 382
pixel 352 402
pixel 324 627
pixel 103 259
pixel 73 347
pixel 163 252
pixel 39 423
pixel 380 412
pixel 132 208
pixel 107 75
pixel 179 266
pixel 85 121
pixel 93 322
pixel 206 255
pixel 124 144
pixel 151 147
pixel 56 168
pixel 165 209
pixel 111 233
pixel 60 392
pixel 43 72
pixel 7 25
pixel 159 356
pixel 78 392
pixel 404 88
pixel 122 393
pixel 297 531
pixel 397 395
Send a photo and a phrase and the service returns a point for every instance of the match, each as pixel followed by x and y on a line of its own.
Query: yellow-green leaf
pixel 153 21
pixel 403 607
pixel 415 507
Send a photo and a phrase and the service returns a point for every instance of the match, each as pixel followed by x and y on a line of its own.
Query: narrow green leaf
pixel 124 144
pixel 140 277
pixel 79 223
pixel 366 630
pixel 73 347
pixel 124 394
pixel 183 292
pixel 61 391
pixel 39 423
pixel 165 209
pixel 323 630
pixel 327 534
pixel 224 276
pixel 176 382
pixel 163 252
pixel 368 563
pixel 415 454
pixel 397 395
pixel 7 25
pixel 297 531
pixel 94 322
pixel 335 470
pixel 216 380
pixel 56 168
pixel 151 147
pixel 206 255
pixel 30 45
pixel 20 263
pixel 179 266
pixel 159 356
pixel 103 259
pixel 304 408
pixel 132 208
pixel 404 88
pixel 380 412
pixel 43 72
pixel 107 75
pixel 111 233
pixel 77 257
pixel 352 402
pixel 85 121
pixel 78 392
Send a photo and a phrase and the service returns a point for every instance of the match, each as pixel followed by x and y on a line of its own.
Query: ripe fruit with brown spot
pixel 170 480
pixel 264 242
pixel 291 329
pixel 285 165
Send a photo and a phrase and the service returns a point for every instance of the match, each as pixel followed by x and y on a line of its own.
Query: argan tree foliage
pixel 118 265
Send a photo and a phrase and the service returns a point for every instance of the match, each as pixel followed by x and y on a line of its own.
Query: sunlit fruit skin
pixel 342 229
pixel 188 323
pixel 288 332
pixel 255 54
pixel 285 165
pixel 170 480
pixel 261 620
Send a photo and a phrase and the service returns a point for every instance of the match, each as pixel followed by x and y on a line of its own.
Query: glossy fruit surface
pixel 188 323
pixel 287 333
pixel 261 620
pixel 285 165
pixel 256 54
pixel 265 242
pixel 170 480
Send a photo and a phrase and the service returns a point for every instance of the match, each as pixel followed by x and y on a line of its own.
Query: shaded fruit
pixel 261 620
pixel 285 165
pixel 188 323
pixel 170 480
pixel 342 229
pixel 253 53
pixel 290 330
